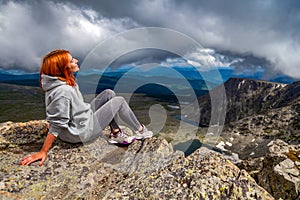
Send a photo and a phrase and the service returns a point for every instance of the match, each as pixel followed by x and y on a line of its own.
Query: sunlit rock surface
pixel 98 170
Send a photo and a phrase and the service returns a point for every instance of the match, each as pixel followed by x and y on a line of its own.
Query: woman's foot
pixel 143 133
pixel 120 137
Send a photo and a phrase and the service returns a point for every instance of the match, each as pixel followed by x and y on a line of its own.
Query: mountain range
pixel 166 83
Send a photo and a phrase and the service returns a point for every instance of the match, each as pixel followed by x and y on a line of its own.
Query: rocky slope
pixel 246 97
pixel 145 169
pixel 278 171
pixel 259 113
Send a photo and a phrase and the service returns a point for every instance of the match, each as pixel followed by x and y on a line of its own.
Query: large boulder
pixel 98 170
pixel 203 175
pixel 147 156
pixel 278 171
pixel 280 174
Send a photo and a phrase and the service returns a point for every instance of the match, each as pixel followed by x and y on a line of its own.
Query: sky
pixel 247 35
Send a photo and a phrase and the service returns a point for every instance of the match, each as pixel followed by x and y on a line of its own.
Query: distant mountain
pixel 247 97
pixel 20 79
pixel 165 83
pixel 161 82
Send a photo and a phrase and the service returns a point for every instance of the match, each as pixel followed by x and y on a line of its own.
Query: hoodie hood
pixel 50 82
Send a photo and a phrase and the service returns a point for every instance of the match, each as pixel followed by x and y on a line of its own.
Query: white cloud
pixel 171 62
pixel 28 31
pixel 202 58
pixel 207 58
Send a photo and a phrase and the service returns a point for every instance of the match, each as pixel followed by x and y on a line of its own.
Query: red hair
pixel 56 63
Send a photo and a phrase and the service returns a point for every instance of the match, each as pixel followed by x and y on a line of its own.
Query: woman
pixel 73 120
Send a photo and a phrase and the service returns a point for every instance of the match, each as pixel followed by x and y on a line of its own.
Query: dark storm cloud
pixel 144 56
pixel 265 29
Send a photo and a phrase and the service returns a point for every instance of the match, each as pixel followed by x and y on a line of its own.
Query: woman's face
pixel 73 64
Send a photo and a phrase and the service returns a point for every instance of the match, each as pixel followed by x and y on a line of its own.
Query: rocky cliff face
pixel 246 97
pixel 258 114
pixel 145 169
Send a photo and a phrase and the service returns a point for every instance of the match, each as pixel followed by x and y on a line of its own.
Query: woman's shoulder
pixel 66 87
pixel 64 90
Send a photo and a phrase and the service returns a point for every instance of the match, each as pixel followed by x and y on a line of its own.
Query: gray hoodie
pixel 70 118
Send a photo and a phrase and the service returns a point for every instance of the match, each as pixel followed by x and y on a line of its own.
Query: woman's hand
pixel 41 155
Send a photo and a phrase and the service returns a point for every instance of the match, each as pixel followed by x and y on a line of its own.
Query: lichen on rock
pixel 98 170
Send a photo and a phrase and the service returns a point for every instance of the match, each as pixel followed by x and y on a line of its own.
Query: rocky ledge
pixel 148 169
pixel 278 171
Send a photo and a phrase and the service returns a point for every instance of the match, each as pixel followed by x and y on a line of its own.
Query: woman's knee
pixel 109 93
pixel 119 99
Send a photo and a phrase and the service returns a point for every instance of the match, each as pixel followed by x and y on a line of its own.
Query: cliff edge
pixel 145 169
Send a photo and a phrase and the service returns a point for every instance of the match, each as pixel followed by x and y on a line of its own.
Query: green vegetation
pixel 24 103
pixel 141 105
pixel 21 103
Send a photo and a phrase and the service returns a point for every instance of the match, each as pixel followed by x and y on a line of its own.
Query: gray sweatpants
pixel 108 108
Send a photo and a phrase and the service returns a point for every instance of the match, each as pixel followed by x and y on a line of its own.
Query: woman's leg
pixel 107 112
pixel 100 100
pixel 117 105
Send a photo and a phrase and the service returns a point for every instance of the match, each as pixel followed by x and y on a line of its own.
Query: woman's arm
pixel 42 154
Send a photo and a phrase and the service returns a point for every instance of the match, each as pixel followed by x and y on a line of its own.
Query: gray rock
pixel 203 175
pixel 140 154
pixel 278 171
pixel 247 97
pixel 98 170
